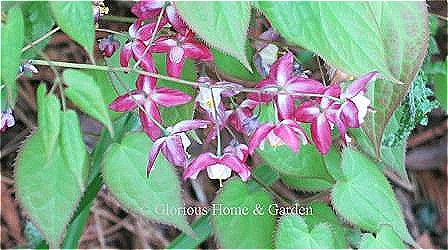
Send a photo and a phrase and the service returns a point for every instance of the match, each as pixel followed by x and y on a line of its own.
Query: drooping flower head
pixel 242 118
pixel 174 145
pixel 220 167
pixel 286 132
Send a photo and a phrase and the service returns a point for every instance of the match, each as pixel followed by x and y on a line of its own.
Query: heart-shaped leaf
pixel 85 93
pixel 386 238
pixel 322 213
pixel 50 187
pixel 294 233
pixel 12 42
pixel 238 230
pixel 304 170
pixel 154 196
pixel 76 19
pixel 365 198
pixel 222 24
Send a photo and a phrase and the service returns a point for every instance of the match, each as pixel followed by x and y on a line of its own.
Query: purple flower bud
pixel 6 120
pixel 108 46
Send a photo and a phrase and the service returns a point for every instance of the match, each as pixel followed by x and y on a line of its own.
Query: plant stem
pixel 111 31
pixel 270 190
pixel 51 32
pixel 120 19
pixel 218 131
pixel 168 78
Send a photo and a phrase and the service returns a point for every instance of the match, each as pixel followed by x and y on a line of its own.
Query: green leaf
pixel 294 233
pixel 201 227
pixel 173 115
pixel 38 22
pixel 230 66
pixel 322 213
pixel 365 198
pixel 304 170
pixel 49 188
pixel 242 231
pixel 150 197
pixel 333 163
pixel 76 19
pixel 222 24
pixel 49 118
pixel 360 37
pixel 385 239
pixel 85 93
pixel 12 36
pixel 438 75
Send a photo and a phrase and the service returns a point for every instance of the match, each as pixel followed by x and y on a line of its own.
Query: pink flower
pixel 241 118
pixel 178 48
pixel 241 151
pixel 108 46
pixel 147 9
pixel 286 132
pixel 148 96
pixel 321 115
pixel 282 77
pixel 136 46
pixel 7 120
pixel 174 146
pixel 218 167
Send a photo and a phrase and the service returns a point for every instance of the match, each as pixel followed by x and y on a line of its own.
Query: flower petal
pixel 200 163
pixel 146 31
pixel 169 97
pixel 163 44
pixel 189 125
pixel 125 54
pixel 236 165
pixel 151 129
pixel 175 20
pixel 147 9
pixel 156 146
pixel 174 63
pixel 358 85
pixel 281 70
pixel 197 51
pixel 307 111
pixel 299 84
pixel 288 136
pixel 321 134
pixel 332 90
pixel 126 103
pixel 174 151
pixel 285 106
pixel 349 114
pixel 259 135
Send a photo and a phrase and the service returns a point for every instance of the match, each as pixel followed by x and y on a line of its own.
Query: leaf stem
pixel 168 78
pixel 111 31
pixel 120 19
pixel 51 32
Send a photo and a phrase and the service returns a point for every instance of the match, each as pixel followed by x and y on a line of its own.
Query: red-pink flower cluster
pixel 322 106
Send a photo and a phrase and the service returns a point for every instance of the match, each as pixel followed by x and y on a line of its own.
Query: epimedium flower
pixel 108 46
pixel 6 120
pixel 174 145
pixel 242 118
pixel 135 47
pixel 148 97
pixel 179 47
pixel 286 132
pixel 326 113
pixel 322 115
pixel 282 78
pixel 220 167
